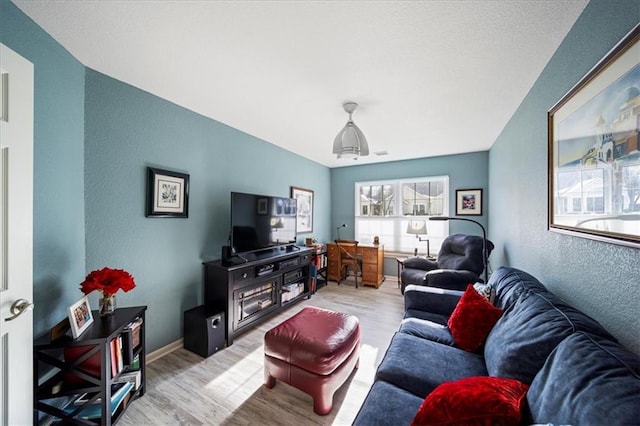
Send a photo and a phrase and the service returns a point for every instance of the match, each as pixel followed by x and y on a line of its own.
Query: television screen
pixel 259 222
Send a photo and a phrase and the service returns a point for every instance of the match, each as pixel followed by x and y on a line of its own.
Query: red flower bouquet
pixel 108 281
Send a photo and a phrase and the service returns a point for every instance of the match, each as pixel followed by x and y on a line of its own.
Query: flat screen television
pixel 260 222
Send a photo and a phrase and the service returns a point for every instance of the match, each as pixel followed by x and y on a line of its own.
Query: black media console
pixel 258 288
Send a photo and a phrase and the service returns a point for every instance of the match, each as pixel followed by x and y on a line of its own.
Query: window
pixel 387 208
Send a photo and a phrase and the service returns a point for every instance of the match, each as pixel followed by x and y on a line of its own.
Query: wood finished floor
pixel 227 388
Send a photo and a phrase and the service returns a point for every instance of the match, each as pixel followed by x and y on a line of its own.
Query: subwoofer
pixel 204 331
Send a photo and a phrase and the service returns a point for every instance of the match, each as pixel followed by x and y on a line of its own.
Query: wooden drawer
pixel 305 258
pixel 242 274
pixel 332 251
pixel 369 271
pixel 369 255
pixel 332 270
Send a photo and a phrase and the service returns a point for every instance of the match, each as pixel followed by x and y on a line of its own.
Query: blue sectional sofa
pixel 578 373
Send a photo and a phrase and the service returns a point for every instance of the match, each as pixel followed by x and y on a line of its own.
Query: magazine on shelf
pixel 94 410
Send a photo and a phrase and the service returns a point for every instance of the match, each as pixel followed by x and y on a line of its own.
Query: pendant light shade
pixel 350 141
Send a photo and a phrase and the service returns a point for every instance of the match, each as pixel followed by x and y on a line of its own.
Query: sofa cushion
pixel 587 380
pixel 472 319
pixel 528 331
pixel 510 283
pixel 427 330
pixel 419 365
pixel 474 401
pixel 423 302
pixel 427 316
pixel 387 405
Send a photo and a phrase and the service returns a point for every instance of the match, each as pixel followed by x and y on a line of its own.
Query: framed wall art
pixel 80 317
pixel 167 193
pixel 304 212
pixel 594 151
pixel 468 202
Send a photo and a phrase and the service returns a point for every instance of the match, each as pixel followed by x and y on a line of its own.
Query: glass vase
pixel 107 305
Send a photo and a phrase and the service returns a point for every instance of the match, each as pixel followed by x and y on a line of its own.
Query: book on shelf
pixel 127 346
pixel 114 361
pixel 94 409
pixel 134 377
pixel 134 327
pixel 135 364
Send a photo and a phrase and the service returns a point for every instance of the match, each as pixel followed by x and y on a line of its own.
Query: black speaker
pixel 204 331
pixel 226 252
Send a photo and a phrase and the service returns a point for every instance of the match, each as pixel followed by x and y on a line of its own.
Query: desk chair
pixel 350 261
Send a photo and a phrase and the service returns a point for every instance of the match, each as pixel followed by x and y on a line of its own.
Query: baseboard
pixel 159 353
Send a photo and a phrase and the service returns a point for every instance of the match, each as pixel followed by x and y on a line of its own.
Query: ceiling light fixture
pixel 350 142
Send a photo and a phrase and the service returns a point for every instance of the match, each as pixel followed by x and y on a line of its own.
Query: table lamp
pixel 417 228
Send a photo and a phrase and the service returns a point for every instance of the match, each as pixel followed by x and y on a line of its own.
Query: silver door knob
pixel 19 307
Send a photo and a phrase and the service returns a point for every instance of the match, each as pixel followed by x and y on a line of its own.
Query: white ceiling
pixel 431 77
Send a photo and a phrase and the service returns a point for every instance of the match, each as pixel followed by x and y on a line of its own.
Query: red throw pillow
pixel 472 319
pixel 473 401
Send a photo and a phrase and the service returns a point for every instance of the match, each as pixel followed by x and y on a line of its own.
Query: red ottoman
pixel 314 351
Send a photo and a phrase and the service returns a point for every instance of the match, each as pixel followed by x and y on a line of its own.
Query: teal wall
pixel 600 278
pixel 127 130
pixel 94 137
pixel 93 188
pixel 464 170
pixel 58 220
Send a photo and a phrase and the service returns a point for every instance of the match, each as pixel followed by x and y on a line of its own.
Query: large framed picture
pixel 80 317
pixel 594 151
pixel 167 193
pixel 468 202
pixel 304 212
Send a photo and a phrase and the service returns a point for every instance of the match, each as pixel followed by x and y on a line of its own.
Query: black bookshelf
pixel 58 381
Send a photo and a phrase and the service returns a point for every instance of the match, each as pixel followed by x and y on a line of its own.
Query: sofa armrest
pixel 452 279
pixel 420 263
pixel 430 299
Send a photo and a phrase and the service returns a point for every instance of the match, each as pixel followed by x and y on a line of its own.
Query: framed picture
pixel 304 212
pixel 594 151
pixel 167 193
pixel 263 204
pixel 468 202
pixel 80 317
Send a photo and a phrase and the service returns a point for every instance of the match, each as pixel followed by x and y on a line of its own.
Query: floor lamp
pixel 484 241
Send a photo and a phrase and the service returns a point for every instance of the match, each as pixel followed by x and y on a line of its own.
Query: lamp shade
pixel 350 141
pixel 417 227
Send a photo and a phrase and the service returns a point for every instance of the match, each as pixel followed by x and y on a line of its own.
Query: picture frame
pixel 594 151
pixel 304 209
pixel 80 317
pixel 167 193
pixel 469 202
pixel 263 205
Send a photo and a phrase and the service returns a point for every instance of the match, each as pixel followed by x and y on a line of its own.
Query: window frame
pixel 398 240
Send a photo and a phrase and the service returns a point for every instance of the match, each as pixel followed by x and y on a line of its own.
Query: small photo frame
pixel 468 202
pixel 263 204
pixel 304 209
pixel 167 193
pixel 80 317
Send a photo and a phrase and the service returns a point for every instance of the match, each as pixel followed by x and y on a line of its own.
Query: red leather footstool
pixel 314 351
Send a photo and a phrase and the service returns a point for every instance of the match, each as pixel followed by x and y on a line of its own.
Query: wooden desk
pixel 372 263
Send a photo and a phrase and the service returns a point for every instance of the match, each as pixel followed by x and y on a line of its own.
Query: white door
pixel 16 239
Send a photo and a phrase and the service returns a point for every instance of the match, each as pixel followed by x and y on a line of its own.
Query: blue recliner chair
pixel 459 263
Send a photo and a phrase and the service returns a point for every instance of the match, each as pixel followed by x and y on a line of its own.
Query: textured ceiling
pixel 431 77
